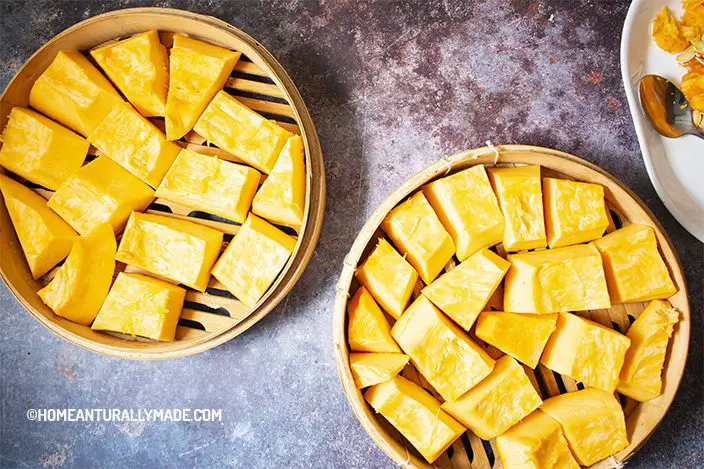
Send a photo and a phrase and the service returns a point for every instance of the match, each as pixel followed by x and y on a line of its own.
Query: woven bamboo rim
pixel 469 450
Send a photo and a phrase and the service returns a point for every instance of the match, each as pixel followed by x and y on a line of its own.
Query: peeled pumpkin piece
pixel 101 191
pixel 463 292
pixel 39 149
pixel 553 280
pixel 520 335
pixel 207 183
pixel 640 377
pixel 389 278
pixel 135 143
pixel 537 442
pixel 442 352
pixel 253 259
pixel 586 351
pixel 501 400
pixel 592 421
pixel 197 71
pixel 369 369
pixel 282 197
pixel 81 284
pixel 73 92
pixel 666 32
pixel 416 231
pixel 141 306
pixel 235 128
pixel 139 67
pixel 521 199
pixel 634 269
pixel 575 212
pixel 45 238
pixel 368 330
pixel 178 250
pixel 467 207
pixel 416 415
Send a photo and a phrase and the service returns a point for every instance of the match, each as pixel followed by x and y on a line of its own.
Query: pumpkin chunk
pixel 141 306
pixel 592 421
pixel 45 238
pixel 586 351
pixel 388 277
pixel 442 352
pixel 418 234
pixel 237 129
pixel 253 260
pixel 521 199
pixel 575 212
pixel 463 292
pixel 416 414
pixel 101 191
pixel 39 149
pixel 642 368
pixel 73 92
pixel 210 184
pixel 368 330
pixel 197 71
pixel 520 335
pixel 81 284
pixel 634 269
pixel 497 403
pixel 139 67
pixel 178 250
pixel 553 280
pixel 467 207
pixel 369 369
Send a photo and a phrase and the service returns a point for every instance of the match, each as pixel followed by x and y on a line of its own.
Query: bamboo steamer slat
pixel 469 450
pixel 209 318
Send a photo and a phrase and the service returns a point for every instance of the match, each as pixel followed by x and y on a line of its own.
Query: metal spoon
pixel 666 108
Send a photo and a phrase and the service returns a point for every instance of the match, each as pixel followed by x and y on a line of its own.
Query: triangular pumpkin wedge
pixel 369 369
pixel 368 330
pixel 197 71
pixel 45 238
pixel 282 197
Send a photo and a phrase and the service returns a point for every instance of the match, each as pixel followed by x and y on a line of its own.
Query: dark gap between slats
pixel 259 96
pixel 220 292
pixel 467 446
pixel 192 324
pixel 159 207
pixel 631 318
pixel 207 216
pixel 450 452
pixel 617 219
pixel 227 237
pixel 489 452
pixel 288 230
pixel 560 384
pixel 541 385
pixel 206 309
pixel 616 327
pixel 580 386
pixel 250 77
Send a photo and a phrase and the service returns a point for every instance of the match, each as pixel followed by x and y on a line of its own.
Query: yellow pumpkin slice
pixel 369 369
pixel 368 330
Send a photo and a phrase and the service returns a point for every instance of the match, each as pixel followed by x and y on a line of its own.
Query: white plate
pixel 675 166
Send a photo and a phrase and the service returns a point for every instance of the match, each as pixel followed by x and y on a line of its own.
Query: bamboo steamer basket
pixel 469 450
pixel 259 81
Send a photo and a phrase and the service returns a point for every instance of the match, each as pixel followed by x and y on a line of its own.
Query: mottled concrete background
pixel 392 87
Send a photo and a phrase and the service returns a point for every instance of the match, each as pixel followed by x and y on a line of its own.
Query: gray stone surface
pixel 392 87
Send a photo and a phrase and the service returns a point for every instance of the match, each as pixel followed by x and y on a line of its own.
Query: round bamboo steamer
pixel 624 207
pixel 259 81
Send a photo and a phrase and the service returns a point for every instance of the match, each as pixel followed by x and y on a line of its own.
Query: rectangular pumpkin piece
pixel 207 183
pixel 521 199
pixel 101 191
pixel 592 421
pixel 442 352
pixel 253 259
pixel 416 231
pixel 586 351
pixel 73 92
pixel 39 149
pixel 139 67
pixel 237 129
pixel 640 377
pixel 178 250
pixel 554 280
pixel 467 207
pixel 135 143
pixel 463 292
pixel 141 306
pixel 501 400
pixel 634 269
pixel 197 71
pixel 367 329
pixel 416 414
pixel 388 277
pixel 369 369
